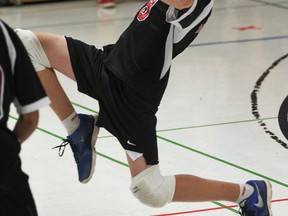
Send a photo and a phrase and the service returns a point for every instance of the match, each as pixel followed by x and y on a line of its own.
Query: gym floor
pixel 208 125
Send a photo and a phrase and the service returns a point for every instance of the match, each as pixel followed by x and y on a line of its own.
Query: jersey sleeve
pixel 30 95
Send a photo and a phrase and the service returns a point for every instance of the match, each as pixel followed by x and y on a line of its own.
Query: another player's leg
pixel 81 129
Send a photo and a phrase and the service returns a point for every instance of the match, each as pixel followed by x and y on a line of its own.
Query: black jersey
pixel 18 79
pixel 143 54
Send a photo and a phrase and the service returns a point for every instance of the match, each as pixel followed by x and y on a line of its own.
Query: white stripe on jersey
pixel 32 106
pixel 168 52
pixel 177 33
pixel 180 33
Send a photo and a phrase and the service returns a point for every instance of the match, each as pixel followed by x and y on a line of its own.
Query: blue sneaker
pixel 259 203
pixel 82 142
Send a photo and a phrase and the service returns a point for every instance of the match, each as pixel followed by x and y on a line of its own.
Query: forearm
pixel 179 4
pixel 25 125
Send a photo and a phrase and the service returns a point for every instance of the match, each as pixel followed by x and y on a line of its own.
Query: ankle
pixel 246 191
pixel 71 123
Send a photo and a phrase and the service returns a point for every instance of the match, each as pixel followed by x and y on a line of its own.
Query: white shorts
pixel 35 51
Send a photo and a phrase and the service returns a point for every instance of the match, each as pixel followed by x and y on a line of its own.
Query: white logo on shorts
pixel 130 143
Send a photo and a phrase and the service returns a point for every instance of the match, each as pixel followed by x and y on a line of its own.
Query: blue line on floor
pixel 239 41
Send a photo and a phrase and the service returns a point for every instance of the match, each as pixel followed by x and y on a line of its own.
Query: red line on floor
pixel 211 209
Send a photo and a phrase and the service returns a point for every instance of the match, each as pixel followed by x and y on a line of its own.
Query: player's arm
pixel 179 4
pixel 25 125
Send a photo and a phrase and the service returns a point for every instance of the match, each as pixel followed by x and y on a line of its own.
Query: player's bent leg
pixel 60 103
pixel 83 139
pixel 153 189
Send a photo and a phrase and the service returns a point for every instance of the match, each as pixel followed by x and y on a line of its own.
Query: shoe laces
pixel 244 211
pixel 62 146
pixel 240 212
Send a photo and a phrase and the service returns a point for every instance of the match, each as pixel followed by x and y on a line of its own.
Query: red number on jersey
pixel 145 11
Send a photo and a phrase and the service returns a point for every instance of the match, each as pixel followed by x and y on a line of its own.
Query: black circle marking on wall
pixel 282 112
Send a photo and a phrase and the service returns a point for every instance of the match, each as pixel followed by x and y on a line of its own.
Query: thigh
pixel 56 49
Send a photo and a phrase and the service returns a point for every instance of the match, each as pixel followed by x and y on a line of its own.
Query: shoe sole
pixel 93 143
pixel 269 196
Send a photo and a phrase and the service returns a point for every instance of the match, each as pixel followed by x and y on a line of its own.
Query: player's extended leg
pixel 81 129
pixel 155 190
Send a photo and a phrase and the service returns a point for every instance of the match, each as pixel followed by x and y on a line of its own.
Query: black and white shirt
pixel 143 54
pixel 18 80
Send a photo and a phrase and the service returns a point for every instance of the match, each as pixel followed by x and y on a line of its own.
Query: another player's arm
pixel 179 4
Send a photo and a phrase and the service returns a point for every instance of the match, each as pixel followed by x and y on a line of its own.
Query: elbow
pixel 25 125
pixel 30 119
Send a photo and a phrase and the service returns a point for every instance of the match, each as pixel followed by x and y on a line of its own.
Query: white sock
pixel 246 190
pixel 71 123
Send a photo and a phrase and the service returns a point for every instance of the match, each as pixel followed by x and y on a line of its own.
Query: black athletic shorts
pixel 123 111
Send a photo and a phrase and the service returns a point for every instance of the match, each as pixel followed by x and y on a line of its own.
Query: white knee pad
pixel 153 189
pixel 35 51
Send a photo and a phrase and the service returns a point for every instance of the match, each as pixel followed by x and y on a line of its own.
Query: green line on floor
pixel 223 161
